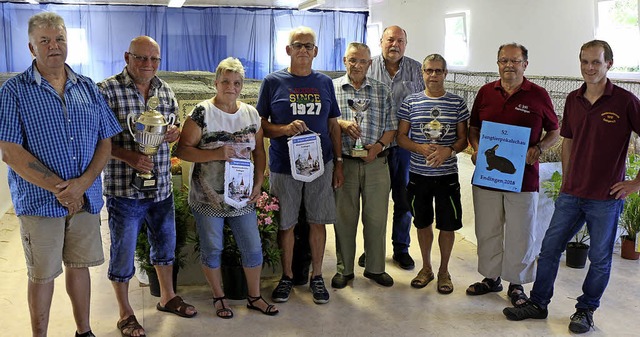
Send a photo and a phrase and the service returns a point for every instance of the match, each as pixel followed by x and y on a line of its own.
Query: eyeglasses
pixel 307 46
pixel 143 59
pixel 433 71
pixel 506 61
pixel 353 62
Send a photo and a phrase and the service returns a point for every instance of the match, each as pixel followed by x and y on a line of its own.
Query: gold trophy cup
pixel 150 128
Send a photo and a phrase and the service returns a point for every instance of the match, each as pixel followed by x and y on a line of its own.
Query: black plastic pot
pixel 577 254
pixel 234 282
pixel 154 284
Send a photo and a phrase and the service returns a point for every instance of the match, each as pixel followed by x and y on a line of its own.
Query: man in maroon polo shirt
pixel 505 221
pixel 598 120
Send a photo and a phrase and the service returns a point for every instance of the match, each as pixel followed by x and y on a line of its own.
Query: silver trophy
pixel 359 105
pixel 434 130
pixel 150 128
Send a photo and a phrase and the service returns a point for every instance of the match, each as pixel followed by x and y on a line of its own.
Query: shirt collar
pixel 346 81
pixel 128 81
pixel 37 77
pixel 608 89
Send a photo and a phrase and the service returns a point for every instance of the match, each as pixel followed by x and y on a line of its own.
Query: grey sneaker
pixel 526 310
pixel 281 292
pixel 320 293
pixel 581 321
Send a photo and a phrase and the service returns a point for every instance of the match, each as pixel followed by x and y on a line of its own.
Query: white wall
pixel 552 30
pixel 5 198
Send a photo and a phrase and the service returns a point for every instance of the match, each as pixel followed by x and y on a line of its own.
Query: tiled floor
pixel 361 309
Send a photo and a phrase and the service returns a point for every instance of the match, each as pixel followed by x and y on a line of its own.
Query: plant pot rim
pixel 577 245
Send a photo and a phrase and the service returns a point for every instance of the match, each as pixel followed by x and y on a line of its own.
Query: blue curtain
pixel 190 38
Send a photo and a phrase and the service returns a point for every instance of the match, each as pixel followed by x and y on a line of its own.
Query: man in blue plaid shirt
pixel 54 136
pixel 126 92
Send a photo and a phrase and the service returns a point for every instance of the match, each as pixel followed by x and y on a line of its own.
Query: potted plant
pixel 630 217
pixel 233 279
pixel 578 249
pixel 183 219
pixel 630 222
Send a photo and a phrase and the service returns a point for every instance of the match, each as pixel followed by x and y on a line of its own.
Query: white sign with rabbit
pixel 502 152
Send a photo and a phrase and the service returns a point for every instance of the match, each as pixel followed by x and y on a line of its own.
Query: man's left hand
pixel 439 155
pixel 623 189
pixel 71 192
pixel 533 154
pixel 173 133
pixel 338 177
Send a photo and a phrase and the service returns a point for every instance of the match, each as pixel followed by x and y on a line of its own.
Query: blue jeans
pixel 126 217
pixel 245 231
pixel 570 214
pixel 399 171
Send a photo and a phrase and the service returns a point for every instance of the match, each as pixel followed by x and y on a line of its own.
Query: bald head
pixel 143 59
pixel 393 43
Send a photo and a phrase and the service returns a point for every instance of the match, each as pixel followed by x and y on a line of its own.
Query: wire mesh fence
pixel 467 84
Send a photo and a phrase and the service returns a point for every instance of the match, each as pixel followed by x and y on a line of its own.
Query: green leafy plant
pixel 552 190
pixel 184 220
pixel 630 217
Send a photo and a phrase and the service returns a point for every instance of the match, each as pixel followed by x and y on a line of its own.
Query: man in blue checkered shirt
pixel 126 92
pixel 55 131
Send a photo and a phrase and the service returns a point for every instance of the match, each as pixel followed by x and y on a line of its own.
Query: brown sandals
pixel 129 325
pixel 445 286
pixel 423 278
pixel 177 306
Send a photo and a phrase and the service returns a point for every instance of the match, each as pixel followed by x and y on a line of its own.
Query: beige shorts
pixel 47 242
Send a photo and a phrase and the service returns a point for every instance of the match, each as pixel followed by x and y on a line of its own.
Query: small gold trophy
pixel 434 130
pixel 359 105
pixel 150 128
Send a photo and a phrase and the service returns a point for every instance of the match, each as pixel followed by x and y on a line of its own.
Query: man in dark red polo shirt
pixel 505 221
pixel 598 120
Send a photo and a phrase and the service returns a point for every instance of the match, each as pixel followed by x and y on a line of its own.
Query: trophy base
pixel 144 182
pixel 359 152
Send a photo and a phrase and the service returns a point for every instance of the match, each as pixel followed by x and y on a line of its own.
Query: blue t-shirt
pixel 418 110
pixel 284 98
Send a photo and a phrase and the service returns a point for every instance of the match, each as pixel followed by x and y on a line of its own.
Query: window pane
pixel 456 44
pixel 618 25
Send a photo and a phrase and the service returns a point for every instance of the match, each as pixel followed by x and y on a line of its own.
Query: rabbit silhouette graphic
pixel 501 164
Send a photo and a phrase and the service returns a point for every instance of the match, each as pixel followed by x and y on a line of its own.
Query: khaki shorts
pixel 318 195
pixel 47 242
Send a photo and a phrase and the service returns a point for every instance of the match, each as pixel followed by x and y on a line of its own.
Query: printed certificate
pixel 238 182
pixel 502 153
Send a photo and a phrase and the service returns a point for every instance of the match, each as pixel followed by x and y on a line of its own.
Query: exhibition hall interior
pixel 194 36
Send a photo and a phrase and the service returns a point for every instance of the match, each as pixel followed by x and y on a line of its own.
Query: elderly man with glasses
pixel 508 240
pixel 129 207
pixel 291 101
pixel 366 106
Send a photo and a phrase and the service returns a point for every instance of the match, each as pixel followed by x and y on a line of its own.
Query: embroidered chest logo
pixel 523 108
pixel 610 117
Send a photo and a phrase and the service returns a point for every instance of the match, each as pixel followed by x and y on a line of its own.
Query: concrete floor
pixel 361 309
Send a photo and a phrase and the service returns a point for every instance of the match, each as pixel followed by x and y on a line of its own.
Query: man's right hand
pixel 296 127
pixel 139 161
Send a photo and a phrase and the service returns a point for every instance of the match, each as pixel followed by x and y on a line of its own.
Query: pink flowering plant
pixel 268 213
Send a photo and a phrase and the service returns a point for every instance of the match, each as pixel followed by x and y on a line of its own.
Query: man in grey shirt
pixel 404 76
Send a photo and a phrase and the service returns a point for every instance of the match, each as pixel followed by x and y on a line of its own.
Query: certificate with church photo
pixel 305 157
pixel 238 182
pixel 502 154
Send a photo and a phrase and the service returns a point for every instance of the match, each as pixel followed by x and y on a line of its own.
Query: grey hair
pixel 231 64
pixel 302 30
pixel 358 45
pixel 46 20
pixel 434 57
pixel 525 51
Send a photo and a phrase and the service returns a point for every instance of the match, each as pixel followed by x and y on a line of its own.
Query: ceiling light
pixel 175 3
pixel 309 4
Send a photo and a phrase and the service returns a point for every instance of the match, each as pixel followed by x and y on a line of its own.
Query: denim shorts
pixel 126 217
pixel 245 231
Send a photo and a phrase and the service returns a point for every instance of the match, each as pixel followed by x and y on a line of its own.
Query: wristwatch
pixel 453 151
pixel 384 147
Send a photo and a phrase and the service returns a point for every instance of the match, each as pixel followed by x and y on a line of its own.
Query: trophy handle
pixel 130 120
pixel 171 119
pixel 447 127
